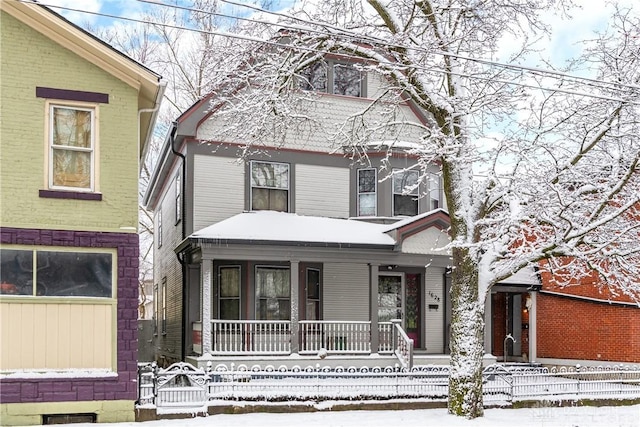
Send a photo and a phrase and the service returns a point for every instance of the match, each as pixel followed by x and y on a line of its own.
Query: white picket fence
pixel 183 386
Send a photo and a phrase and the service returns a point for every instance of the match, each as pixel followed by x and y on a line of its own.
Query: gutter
pixel 180 255
pixel 162 86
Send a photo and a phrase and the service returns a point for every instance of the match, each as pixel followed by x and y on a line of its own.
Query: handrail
pixel 402 344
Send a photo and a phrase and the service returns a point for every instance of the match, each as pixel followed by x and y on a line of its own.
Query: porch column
pixel 533 327
pixel 488 323
pixel 207 283
pixel 295 310
pixel 373 306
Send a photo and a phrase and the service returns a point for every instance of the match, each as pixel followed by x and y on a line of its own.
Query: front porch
pixel 309 342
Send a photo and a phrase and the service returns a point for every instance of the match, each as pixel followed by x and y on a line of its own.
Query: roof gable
pixel 148 84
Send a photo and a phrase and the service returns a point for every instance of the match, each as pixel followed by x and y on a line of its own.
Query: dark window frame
pixel 254 186
pixel 220 298
pixel 55 272
pixel 374 193
pixel 403 195
pixel 308 78
pixel 259 298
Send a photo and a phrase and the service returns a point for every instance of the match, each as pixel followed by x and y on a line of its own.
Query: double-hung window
pixel 405 192
pixel 273 293
pixel 333 77
pixel 229 292
pixel 312 291
pixel 72 147
pixel 367 185
pixel 269 186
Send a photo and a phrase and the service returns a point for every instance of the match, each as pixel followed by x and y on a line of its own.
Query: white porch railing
pixel 385 340
pixel 336 337
pixel 402 345
pixel 273 337
pixel 251 337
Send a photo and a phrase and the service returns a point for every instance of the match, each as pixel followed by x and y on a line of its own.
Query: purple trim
pixel 120 387
pixel 72 95
pixel 78 195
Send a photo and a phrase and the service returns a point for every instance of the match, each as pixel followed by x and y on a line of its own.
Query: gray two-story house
pixel 297 251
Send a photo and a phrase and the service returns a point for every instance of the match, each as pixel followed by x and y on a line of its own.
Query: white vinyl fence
pixel 501 384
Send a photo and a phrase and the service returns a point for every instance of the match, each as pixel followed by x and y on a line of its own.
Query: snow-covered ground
pixel 618 416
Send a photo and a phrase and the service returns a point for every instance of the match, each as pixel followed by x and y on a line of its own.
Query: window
pixel 71 147
pixel 178 198
pixel 347 80
pixel 332 77
pixel 269 186
pixel 434 191
pixel 159 227
pixel 229 293
pixel 367 184
pixel 314 77
pixel 405 192
pixel 313 294
pixel 156 312
pixel 55 273
pixel 273 293
pixel 164 305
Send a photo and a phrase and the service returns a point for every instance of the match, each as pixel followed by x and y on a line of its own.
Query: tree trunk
pixel 467 338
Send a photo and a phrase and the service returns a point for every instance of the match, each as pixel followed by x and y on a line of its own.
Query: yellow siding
pixel 29 60
pixel 43 335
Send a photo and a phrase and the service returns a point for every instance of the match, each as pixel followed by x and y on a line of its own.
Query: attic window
pixel 333 77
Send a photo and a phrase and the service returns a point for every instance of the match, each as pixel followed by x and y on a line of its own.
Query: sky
pixel 618 416
pixel 589 16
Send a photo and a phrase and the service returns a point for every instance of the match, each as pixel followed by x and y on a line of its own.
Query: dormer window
pixel 333 77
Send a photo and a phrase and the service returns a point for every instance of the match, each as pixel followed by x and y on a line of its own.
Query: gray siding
pixel 322 191
pixel 165 264
pixel 218 189
pixel 434 319
pixel 328 111
pixel 346 291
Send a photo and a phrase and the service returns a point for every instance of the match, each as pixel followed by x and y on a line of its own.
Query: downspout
pixel 183 232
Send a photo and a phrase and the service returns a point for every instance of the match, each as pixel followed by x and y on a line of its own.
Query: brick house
pixel 76 116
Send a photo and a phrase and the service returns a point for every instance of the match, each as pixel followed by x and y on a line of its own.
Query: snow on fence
pixel 182 386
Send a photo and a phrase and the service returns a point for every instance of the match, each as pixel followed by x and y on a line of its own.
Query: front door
pixel 412 313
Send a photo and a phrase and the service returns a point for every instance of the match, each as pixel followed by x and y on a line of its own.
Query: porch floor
pixel 330 361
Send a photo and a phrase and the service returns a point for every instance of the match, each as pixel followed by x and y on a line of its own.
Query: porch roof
pixel 271 226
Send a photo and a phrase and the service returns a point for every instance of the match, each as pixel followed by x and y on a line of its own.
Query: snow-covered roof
pixel 411 219
pixel 526 276
pixel 270 226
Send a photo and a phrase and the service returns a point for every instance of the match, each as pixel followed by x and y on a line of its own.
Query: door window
pixel 389 298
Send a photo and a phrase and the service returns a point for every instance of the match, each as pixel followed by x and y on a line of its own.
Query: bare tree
pixel 561 185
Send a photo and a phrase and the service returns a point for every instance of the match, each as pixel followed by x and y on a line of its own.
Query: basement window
pixel 68 419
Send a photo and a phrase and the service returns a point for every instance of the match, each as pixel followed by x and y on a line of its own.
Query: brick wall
pixel 574 329
pixel 122 386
